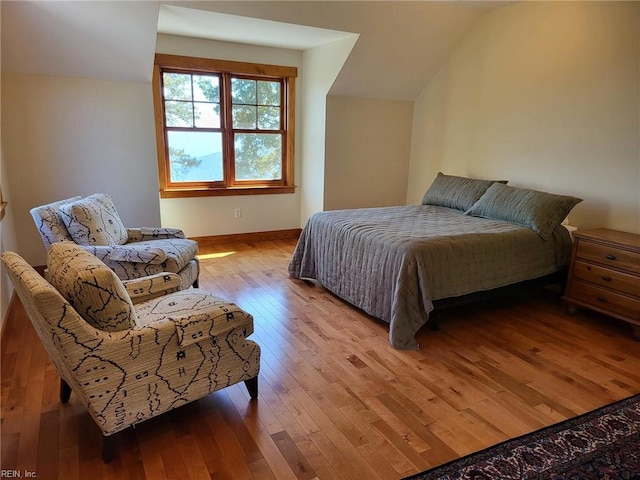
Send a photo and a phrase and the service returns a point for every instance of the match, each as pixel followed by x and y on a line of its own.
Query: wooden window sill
pixel 204 192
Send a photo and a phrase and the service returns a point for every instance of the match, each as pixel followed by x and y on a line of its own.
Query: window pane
pixel 206 88
pixel 269 118
pixel 258 156
pixel 244 116
pixel 178 114
pixel 177 86
pixel 243 91
pixel 269 93
pixel 207 115
pixel 195 156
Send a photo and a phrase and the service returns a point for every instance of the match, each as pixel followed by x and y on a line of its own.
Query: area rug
pixel 602 444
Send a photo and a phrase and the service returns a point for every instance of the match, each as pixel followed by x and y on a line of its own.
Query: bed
pixel 394 262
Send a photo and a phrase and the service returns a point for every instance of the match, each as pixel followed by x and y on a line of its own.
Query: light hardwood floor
pixel 336 401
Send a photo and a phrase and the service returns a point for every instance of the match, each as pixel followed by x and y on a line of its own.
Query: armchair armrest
pixel 146 288
pixel 210 322
pixel 148 233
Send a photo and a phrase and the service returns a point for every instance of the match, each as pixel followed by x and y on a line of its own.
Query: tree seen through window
pixel 193 102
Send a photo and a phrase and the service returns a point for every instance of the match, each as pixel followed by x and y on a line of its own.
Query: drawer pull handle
pixel 602 299
pixel 606 278
pixel 610 256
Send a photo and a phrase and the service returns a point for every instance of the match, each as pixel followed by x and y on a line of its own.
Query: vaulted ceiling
pixel 400 46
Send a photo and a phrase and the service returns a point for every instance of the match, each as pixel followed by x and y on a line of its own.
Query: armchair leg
pixel 252 386
pixel 108 448
pixel 65 391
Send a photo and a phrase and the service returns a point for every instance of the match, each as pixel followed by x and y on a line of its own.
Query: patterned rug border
pixel 532 437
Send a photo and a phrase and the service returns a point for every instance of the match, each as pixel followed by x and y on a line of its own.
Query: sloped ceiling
pixel 400 47
pixel 189 22
pixel 106 40
pixel 401 43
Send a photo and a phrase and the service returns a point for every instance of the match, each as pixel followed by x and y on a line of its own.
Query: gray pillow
pixel 542 212
pixel 456 192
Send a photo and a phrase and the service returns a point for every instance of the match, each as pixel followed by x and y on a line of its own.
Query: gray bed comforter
pixel 392 262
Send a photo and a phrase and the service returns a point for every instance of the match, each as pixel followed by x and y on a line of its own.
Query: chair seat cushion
pixel 141 252
pixel 94 220
pixel 188 308
pixel 178 252
pixel 92 288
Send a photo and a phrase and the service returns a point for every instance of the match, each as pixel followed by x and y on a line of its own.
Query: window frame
pixel 226 69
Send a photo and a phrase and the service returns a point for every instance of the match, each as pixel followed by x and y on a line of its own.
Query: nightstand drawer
pixel 610 256
pixel 606 300
pixel 618 281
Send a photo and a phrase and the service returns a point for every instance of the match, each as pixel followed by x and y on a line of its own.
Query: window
pixel 223 128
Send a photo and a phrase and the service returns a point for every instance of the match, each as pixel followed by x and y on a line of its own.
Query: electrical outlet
pixel 237 213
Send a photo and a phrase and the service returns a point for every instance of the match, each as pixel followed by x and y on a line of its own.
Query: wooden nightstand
pixel 604 274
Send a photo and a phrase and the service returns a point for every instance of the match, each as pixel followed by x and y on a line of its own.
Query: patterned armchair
pixel 131 350
pixel 93 223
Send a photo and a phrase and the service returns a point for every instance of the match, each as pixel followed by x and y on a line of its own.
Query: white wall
pixel 545 94
pixel 6 230
pixel 66 136
pixel 367 152
pixel 7 236
pixel 321 66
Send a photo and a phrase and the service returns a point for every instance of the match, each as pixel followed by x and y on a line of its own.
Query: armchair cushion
pixel 193 302
pixel 170 255
pixel 141 252
pixel 94 220
pixel 92 288
pixel 177 261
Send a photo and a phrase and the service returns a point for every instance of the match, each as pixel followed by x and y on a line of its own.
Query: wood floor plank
pixel 335 400
pixel 47 461
pixel 261 469
pixel 297 462
pixel 387 457
pixel 68 463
